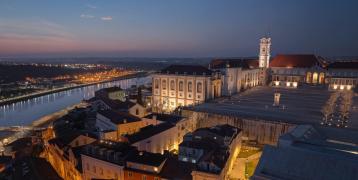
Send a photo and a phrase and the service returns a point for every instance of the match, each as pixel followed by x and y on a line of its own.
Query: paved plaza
pixel 298 106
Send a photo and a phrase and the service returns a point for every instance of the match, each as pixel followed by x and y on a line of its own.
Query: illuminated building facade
pixel 238 74
pixel 184 85
pixel 342 75
pixel 164 133
pixel 293 70
pixel 264 56
pixel 62 154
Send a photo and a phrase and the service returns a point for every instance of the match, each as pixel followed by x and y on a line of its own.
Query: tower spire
pixel 264 56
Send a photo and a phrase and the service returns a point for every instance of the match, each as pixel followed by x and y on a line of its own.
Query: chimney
pixel 154 117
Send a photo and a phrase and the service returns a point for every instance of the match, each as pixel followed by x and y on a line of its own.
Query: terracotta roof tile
pixel 296 60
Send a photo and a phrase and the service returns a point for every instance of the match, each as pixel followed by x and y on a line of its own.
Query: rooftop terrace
pixel 297 106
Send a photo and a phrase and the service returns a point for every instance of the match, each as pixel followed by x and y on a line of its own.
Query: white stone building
pixel 238 74
pixel 183 85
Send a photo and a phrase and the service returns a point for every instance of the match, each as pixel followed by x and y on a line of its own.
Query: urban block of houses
pixel 213 151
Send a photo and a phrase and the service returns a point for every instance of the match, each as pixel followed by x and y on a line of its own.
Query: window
pixel 94 169
pixel 136 111
pixel 130 174
pixel 164 84
pixel 190 86
pixel 144 177
pixel 156 84
pixel 181 86
pixel 172 85
pixel 101 171
pixel 199 87
pixel 156 178
pixel 87 167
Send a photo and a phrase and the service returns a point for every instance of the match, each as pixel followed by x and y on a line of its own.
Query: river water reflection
pixel 25 112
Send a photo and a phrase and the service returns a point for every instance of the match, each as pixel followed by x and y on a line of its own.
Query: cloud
pixel 91 6
pixel 33 35
pixel 106 18
pixel 86 16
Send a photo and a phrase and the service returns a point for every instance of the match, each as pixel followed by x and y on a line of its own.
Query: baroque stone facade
pixel 180 85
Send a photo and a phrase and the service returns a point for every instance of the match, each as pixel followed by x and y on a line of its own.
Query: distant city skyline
pixel 162 28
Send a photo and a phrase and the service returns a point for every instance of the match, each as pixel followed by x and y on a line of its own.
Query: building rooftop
pixel 297 61
pixel 343 65
pixel 65 139
pixel 113 152
pixel 147 158
pixel 175 169
pixel 173 119
pixel 224 130
pixel 296 164
pixel 234 63
pixel 297 106
pixel 34 169
pixel 118 117
pixel 187 70
pixel 117 104
pixel 148 131
pixel 20 143
pixel 206 144
pixel 307 152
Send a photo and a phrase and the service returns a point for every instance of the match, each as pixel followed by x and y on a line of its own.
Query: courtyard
pixel 296 106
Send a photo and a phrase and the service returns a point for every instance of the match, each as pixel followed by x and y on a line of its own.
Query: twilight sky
pixel 176 28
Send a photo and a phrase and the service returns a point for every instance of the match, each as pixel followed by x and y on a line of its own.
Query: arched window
pixel 164 84
pixel 309 77
pixel 321 78
pixel 315 78
pixel 199 87
pixel 190 86
pixel 181 86
pixel 172 85
pixel 156 84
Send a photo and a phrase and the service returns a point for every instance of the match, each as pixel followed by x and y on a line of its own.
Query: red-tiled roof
pixel 296 60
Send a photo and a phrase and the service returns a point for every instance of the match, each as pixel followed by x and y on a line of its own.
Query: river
pixel 23 113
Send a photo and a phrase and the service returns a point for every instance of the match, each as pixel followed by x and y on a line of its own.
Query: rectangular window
pixel 190 86
pixel 164 85
pixel 181 86
pixel 144 177
pixel 130 174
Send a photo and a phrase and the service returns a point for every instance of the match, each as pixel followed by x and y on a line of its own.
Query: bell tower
pixel 264 57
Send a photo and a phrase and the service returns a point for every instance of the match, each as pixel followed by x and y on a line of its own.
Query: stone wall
pixel 264 132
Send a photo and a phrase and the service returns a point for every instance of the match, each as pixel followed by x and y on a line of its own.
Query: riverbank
pixel 30 96
pixel 8 135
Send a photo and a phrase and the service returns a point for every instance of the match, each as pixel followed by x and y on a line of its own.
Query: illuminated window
pixel 156 84
pixel 172 85
pixel 199 88
pixel 181 86
pixel 164 84
pixel 190 86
